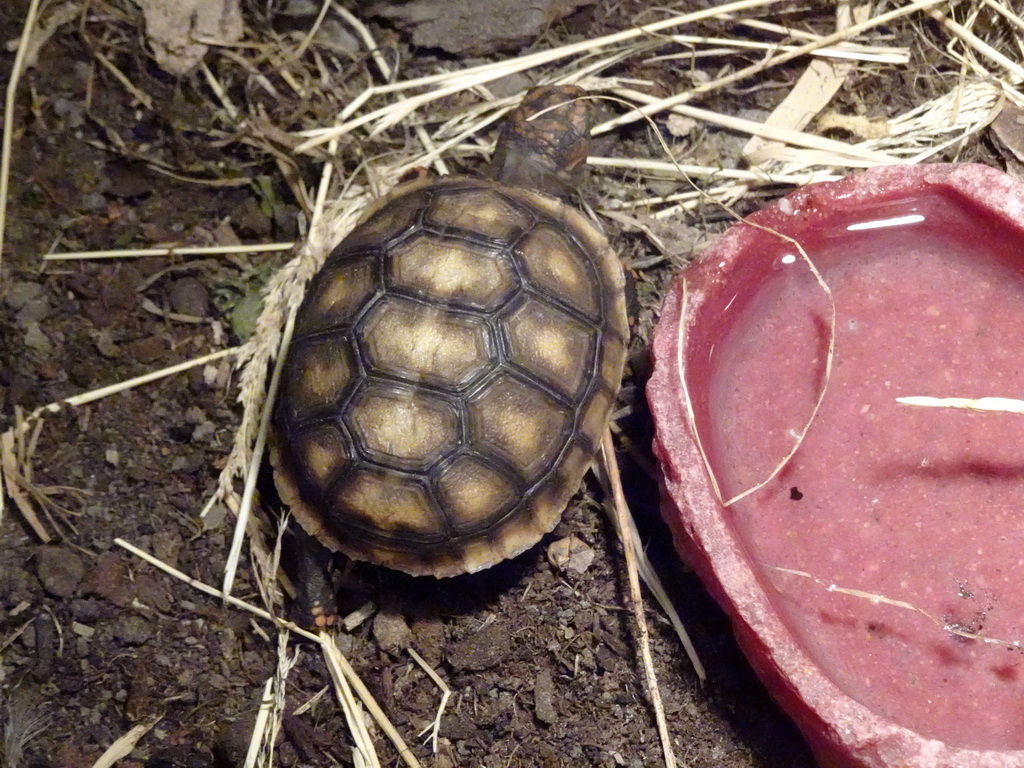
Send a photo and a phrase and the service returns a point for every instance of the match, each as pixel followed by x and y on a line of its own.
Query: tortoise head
pixel 545 141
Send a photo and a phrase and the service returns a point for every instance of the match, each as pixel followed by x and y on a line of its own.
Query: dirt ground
pixel 542 662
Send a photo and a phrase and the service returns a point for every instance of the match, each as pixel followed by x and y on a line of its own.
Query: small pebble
pixel 94 201
pixel 87 610
pixel 195 415
pixel 128 179
pixel 543 697
pixel 46 646
pixel 60 570
pixel 29 301
pixel 190 297
pixel 332 34
pixel 22 293
pixel 488 647
pixel 149 349
pixel 133 629
pixel 34 311
pixel 71 111
pixel 215 517
pixel 105 344
pixel 36 340
pixel 391 632
pixel 109 579
pixel 570 554
pixel 250 218
pixel 166 545
pixel 429 635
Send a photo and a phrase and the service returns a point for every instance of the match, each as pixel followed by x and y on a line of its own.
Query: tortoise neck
pixel 529 172
pixel 545 142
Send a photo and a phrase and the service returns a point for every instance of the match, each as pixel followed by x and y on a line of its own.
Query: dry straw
pixel 997 404
pixel 826 377
pixel 17 69
pixel 957 630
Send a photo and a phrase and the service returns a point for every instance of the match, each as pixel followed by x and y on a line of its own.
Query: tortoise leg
pixel 305 561
pixel 315 604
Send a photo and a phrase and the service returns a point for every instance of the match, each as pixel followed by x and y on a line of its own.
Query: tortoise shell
pixel 451 374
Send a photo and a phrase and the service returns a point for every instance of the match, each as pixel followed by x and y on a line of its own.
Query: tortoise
pixel 455 361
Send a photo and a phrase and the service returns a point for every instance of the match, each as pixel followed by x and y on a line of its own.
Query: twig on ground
pixel 7 641
pixel 337 657
pixel 248 492
pixel 8 137
pixel 312 701
pixel 620 514
pixel 140 96
pixel 364 753
pixel 14 485
pixel 446 692
pixel 368 40
pixel 124 745
pixel 257 738
pixel 845 154
pixel 121 386
pixel 171 250
pixel 660 105
pixel 388 116
pixel 987 51
pixel 814 89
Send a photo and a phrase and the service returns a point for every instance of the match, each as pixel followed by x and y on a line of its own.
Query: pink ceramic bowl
pixel 921 507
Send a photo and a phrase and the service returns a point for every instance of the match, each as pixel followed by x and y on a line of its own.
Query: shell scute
pixel 550 344
pixel 321 373
pixel 553 262
pixel 389 222
pixel 397 428
pixel 477 493
pixel 419 342
pixel 385 504
pixel 321 454
pixel 519 423
pixel 479 212
pixel 457 272
pixel 336 299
